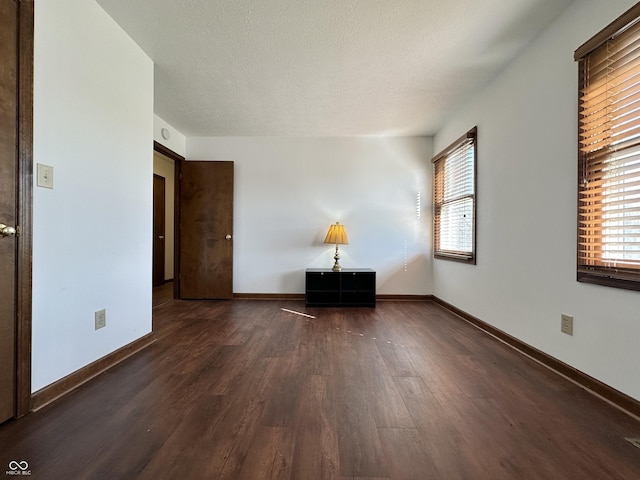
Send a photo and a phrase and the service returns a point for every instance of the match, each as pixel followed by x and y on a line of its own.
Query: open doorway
pixel 164 170
pixel 203 259
pixel 163 222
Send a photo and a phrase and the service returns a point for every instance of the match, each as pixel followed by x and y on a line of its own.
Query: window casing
pixel 608 250
pixel 454 200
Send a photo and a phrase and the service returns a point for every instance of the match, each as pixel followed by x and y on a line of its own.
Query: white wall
pixel 527 187
pixel 93 122
pixel 289 190
pixel 165 167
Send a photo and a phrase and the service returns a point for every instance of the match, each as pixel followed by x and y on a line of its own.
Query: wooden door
pixel 8 206
pixel 158 230
pixel 206 230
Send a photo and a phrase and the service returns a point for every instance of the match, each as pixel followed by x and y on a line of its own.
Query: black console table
pixel 351 287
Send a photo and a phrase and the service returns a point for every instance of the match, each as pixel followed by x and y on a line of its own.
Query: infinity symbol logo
pixel 13 465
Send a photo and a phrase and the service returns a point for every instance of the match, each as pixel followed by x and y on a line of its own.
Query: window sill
pixel 456 257
pixel 610 280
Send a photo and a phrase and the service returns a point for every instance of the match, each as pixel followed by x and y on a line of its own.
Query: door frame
pixel 24 238
pixel 177 160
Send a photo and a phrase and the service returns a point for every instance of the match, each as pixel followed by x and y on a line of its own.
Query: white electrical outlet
pixel 101 319
pixel 566 324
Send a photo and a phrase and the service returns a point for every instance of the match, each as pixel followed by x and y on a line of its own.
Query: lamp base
pixel 336 265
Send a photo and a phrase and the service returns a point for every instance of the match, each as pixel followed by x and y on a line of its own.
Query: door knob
pixel 161 237
pixel 228 237
pixel 6 230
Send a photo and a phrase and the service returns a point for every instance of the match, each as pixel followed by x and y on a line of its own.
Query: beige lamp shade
pixel 337 235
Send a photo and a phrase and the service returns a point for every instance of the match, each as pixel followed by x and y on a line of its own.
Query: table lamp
pixel 337 235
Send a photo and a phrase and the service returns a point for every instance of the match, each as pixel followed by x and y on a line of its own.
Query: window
pixel 454 200
pixel 609 155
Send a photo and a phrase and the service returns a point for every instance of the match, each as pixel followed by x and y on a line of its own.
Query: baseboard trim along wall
pixel 404 298
pixel 268 296
pixel 52 392
pixel 602 390
pixel 300 296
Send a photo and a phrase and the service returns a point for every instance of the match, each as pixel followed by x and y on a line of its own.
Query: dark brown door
pixel 158 229
pixel 8 211
pixel 206 230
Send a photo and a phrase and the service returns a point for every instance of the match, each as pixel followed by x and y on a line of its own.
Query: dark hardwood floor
pixel 244 390
pixel 162 294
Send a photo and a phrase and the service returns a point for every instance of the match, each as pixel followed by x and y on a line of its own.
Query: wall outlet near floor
pixel 101 318
pixel 566 324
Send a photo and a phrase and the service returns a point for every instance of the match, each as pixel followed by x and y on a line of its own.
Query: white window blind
pixel 454 200
pixel 609 159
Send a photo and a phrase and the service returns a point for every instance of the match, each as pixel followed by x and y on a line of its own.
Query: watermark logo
pixel 17 468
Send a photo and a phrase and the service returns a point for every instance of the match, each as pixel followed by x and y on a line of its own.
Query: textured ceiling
pixel 324 67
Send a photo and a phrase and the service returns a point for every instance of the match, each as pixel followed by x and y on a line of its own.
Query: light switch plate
pixel 45 175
